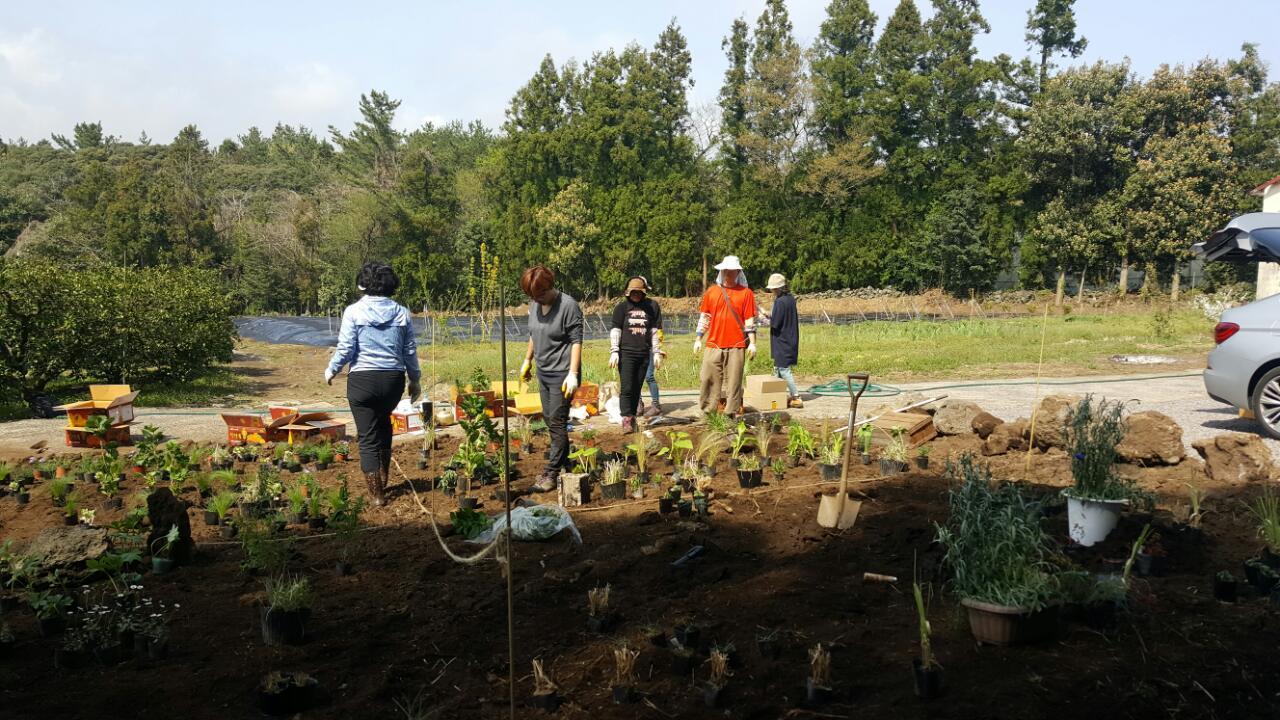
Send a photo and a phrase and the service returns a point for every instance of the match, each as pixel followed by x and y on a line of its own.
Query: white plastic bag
pixel 531 523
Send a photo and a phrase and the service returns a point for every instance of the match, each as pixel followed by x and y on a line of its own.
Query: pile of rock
pixel 1152 438
pixel 866 293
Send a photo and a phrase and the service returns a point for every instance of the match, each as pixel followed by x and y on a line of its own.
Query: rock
pixel 1051 420
pixel 955 417
pixel 1005 437
pixel 1151 438
pixel 1235 457
pixel 984 422
pixel 63 546
pixel 165 510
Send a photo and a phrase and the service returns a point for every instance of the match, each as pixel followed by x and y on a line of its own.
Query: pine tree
pixel 842 70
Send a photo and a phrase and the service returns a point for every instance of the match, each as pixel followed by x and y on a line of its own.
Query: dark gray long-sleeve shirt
pixel 554 334
pixel 784 331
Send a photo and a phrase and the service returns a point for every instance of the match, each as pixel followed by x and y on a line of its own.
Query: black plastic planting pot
pixel 666 504
pixel 291 699
pixel 713 695
pixel 210 517
pixel 685 508
pixel 616 491
pixel 227 531
pixel 624 694
pixel 815 694
pixel 468 503
pixel 928 680
pixel 750 478
pixel 317 523
pixel 284 627
pixel 922 463
pixel 550 702
pixel 1225 590
pixel 830 472
pixel 682 662
pixel 602 623
pixel 769 648
pixel 866 458
pixel 688 636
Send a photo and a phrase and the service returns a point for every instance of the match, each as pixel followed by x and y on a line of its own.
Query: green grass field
pixel 918 350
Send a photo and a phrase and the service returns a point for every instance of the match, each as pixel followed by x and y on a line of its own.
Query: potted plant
pixel 799 443
pixel 779 468
pixel 284 619
pixel 678 448
pixel 324 456
pixel 613 486
pixel 769 644
pixel 71 509
pixel 316 519
pixel 220 458
pixel 710 445
pixel 831 458
pixel 999 557
pixel 217 507
pixel 524 437
pixel 341 451
pixel 925 669
pixel 893 459
pixel 1225 586
pixel 600 617
pixel 589 438
pixel 296 495
pixel 713 692
pixel 162 558
pixel 1266 510
pixel 700 501
pixel 50 607
pixel 344 520
pixel 544 690
pixel 922 457
pixel 865 433
pixel 749 471
pixel 624 675
pixel 285 694
pixel 448 482
pixel 19 492
pixel 58 489
pixel 639 452
pixel 818 683
pixel 636 485
pixel 109 486
pixel 1099 495
pixel 667 503
pixel 737 441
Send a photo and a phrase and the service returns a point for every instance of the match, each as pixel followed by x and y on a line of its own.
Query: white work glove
pixel 657 360
pixel 613 360
pixel 569 385
pixel 697 345
pixel 526 370
pixel 415 390
pixel 328 377
pixel 751 349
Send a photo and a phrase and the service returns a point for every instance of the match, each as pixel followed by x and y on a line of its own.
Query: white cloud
pixel 311 88
pixel 30 59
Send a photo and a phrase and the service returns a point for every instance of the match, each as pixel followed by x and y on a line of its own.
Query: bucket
pixel 1091 521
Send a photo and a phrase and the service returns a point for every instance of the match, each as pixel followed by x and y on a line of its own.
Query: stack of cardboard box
pixel 113 401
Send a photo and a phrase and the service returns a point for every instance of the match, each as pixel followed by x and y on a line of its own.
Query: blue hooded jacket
pixel 377 334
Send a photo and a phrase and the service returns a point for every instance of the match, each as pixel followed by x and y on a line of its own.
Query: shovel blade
pixel 832 515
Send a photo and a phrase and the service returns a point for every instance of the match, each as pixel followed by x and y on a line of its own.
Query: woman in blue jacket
pixel 377 341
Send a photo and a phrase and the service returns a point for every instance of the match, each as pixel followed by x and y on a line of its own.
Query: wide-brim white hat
pixel 730 262
pixel 776 280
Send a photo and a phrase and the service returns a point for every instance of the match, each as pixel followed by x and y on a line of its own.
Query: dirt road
pixel 1179 395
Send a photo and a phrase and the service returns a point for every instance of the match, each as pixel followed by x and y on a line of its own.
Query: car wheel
pixel 1266 403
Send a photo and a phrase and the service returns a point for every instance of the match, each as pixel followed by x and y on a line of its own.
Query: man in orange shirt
pixel 727 321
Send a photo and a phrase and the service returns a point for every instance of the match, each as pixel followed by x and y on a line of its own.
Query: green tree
pixel 843 71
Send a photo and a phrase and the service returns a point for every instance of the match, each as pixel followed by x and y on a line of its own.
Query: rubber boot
pixel 385 479
pixel 373 483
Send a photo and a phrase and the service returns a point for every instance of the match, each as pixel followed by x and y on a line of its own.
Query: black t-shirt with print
pixel 638 322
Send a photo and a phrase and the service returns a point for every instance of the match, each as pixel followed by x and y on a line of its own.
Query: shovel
pixel 838 511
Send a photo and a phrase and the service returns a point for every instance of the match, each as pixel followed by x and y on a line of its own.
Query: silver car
pixel 1244 367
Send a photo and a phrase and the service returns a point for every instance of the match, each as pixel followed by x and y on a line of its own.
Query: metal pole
pixel 506 483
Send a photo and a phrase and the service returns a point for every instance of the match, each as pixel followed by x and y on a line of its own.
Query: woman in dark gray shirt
pixel 555 346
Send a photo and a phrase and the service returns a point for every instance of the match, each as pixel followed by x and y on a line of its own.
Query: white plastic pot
pixel 1091 521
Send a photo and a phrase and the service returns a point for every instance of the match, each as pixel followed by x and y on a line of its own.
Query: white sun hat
pixel 776 280
pixel 730 262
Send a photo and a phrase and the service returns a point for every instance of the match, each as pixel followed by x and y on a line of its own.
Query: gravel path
pixel 1181 397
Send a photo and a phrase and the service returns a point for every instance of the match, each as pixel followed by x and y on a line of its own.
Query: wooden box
pixel 919 428
pixel 114 401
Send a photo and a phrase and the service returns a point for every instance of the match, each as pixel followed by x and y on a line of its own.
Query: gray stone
pixel 64 546
pixel 955 417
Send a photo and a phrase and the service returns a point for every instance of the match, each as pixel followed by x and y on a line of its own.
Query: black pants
pixel 555 412
pixel 373 394
pixel 631 370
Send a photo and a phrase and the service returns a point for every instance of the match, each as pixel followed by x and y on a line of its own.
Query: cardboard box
pixel 765 385
pixel 114 401
pixel 256 428
pixel 406 422
pixel 586 394
pixel 79 437
pixel 765 402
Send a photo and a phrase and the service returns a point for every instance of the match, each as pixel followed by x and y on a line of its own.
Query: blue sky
pixel 156 66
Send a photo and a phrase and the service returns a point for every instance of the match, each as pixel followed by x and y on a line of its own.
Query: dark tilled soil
pixel 411 624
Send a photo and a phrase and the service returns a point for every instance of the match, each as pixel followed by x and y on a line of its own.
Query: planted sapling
pixel 718 677
pixel 738 441
pixel 928 676
pixel 763 436
pixel 624 674
pixel 544 690
pixel 600 618
pixel 818 684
